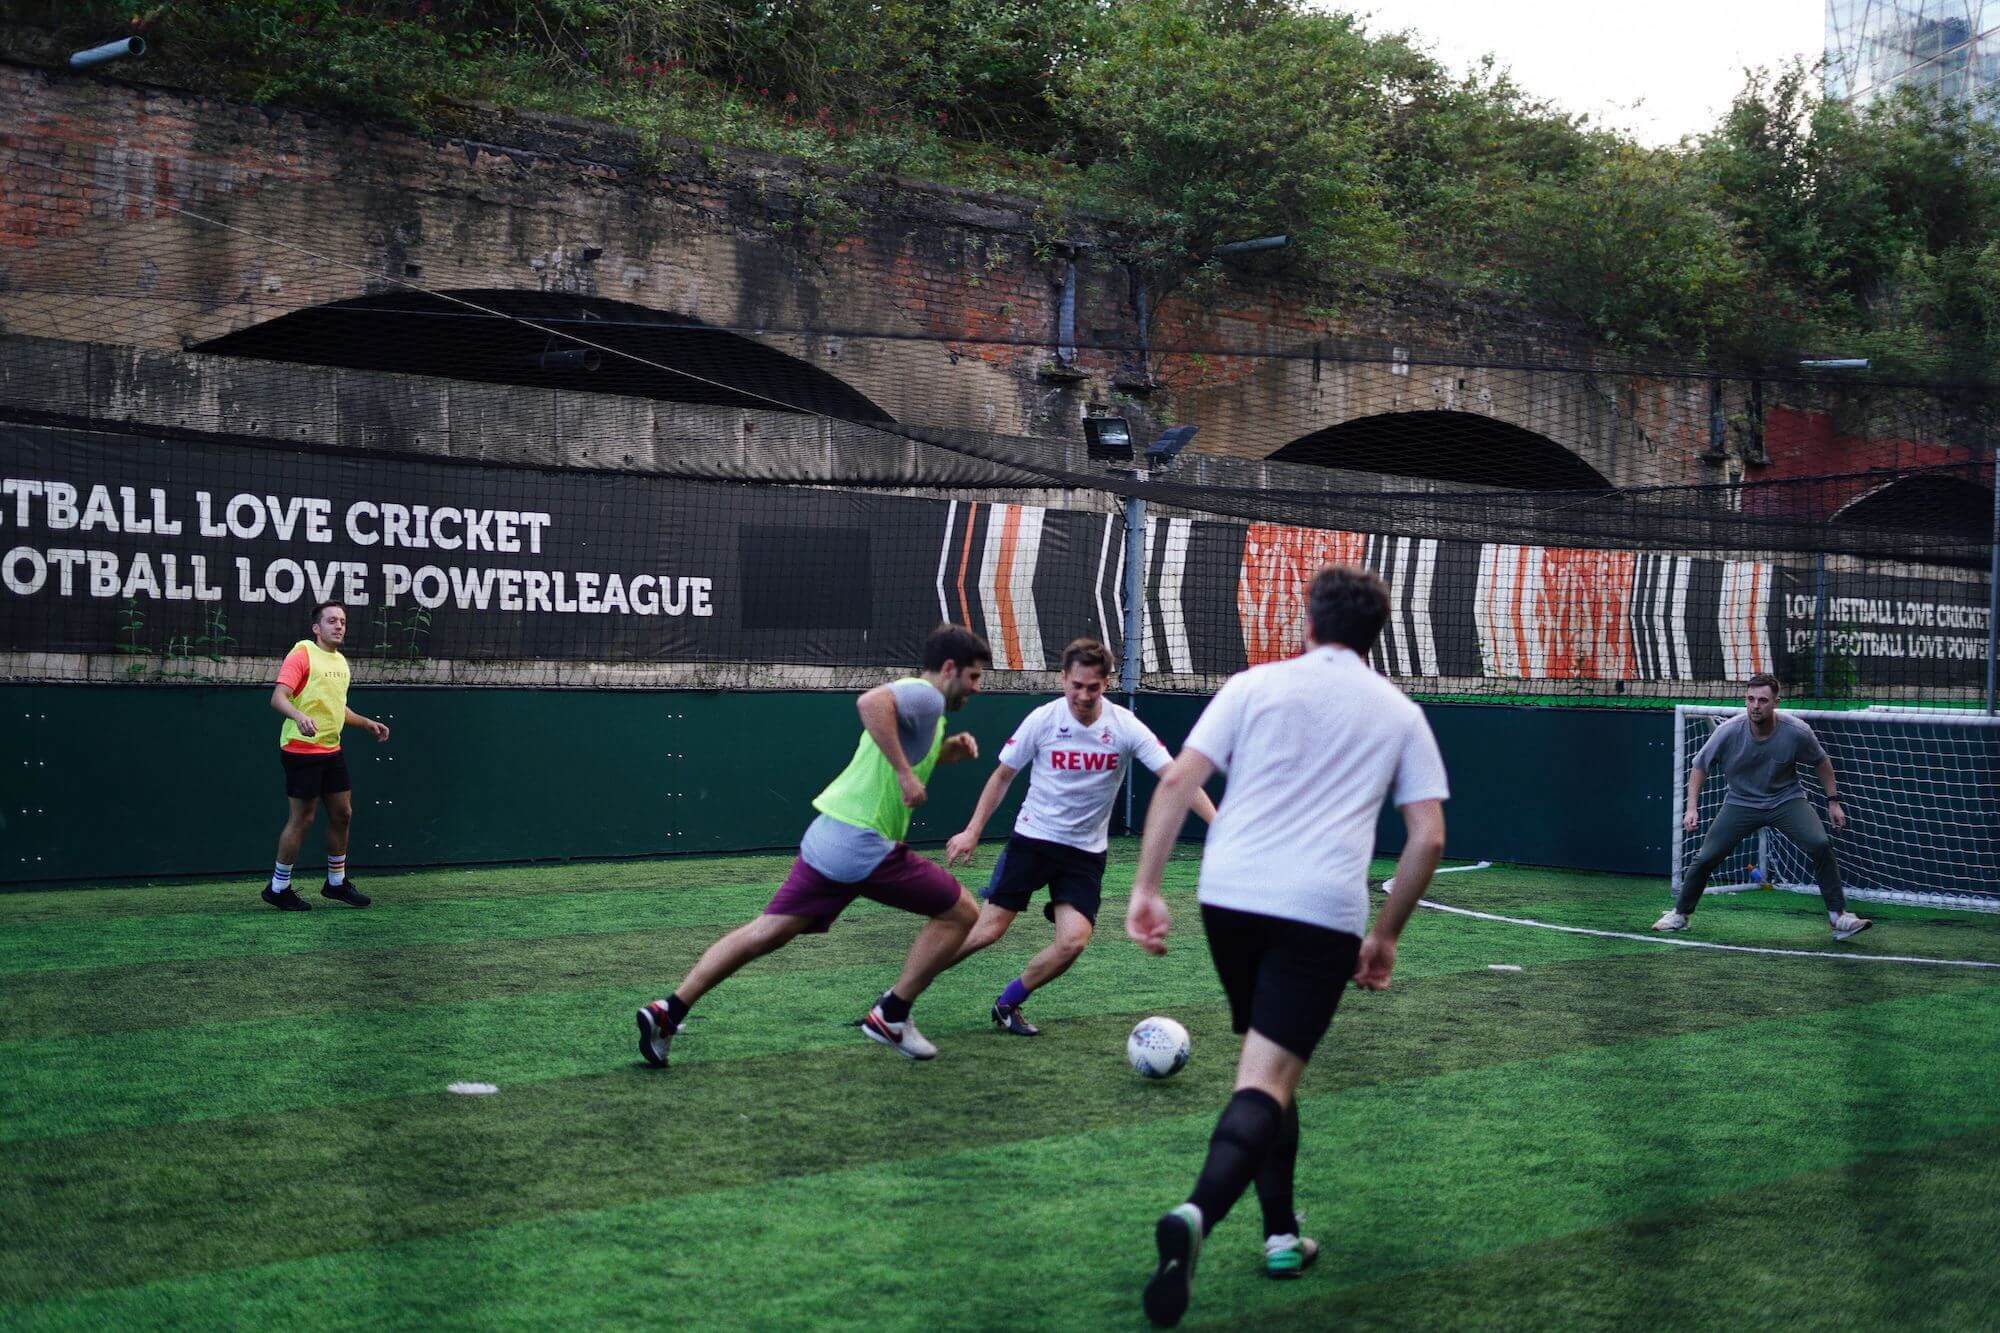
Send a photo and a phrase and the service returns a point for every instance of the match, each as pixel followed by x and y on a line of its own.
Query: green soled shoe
pixel 1178 1237
pixel 1289 1256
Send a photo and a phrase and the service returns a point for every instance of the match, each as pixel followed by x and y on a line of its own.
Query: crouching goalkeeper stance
pixel 1759 754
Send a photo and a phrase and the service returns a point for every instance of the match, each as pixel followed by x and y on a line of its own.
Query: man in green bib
pixel 312 694
pixel 855 849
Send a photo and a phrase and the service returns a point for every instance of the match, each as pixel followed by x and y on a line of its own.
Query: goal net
pixel 1921 790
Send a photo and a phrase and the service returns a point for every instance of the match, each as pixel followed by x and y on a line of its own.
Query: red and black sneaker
pixel 1009 1019
pixel 656 1033
pixel 902 1038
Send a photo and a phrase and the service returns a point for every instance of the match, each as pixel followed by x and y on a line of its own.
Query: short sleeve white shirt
pixel 1074 770
pixel 1311 746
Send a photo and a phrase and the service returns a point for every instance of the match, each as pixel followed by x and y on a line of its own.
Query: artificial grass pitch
pixel 214 1113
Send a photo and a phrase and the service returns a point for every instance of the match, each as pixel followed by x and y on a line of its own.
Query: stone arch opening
pixel 1461 447
pixel 1939 504
pixel 670 357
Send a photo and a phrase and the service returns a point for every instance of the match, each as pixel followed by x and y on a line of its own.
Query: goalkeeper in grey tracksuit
pixel 1759 754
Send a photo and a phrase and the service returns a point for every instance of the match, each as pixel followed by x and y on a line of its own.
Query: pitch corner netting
pixel 225 395
pixel 1921 791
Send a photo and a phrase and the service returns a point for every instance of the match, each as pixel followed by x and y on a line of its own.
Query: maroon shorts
pixel 904 879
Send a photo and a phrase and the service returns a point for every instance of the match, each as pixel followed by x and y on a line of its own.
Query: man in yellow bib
pixel 312 694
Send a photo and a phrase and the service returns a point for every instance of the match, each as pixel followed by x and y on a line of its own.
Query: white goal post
pixel 1921 790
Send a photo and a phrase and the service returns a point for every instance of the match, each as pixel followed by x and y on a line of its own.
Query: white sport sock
pixel 281 877
pixel 336 870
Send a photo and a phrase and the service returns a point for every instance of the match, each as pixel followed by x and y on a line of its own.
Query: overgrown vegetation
pixel 1794 223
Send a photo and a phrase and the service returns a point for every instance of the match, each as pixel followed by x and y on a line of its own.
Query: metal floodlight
pixel 569 358
pixel 1166 447
pixel 1108 439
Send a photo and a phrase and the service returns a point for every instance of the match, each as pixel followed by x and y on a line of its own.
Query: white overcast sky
pixel 1656 68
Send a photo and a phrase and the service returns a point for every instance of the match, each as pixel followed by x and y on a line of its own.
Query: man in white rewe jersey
pixel 1312 746
pixel 1081 747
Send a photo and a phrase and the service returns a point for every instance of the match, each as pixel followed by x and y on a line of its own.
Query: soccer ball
pixel 1157 1048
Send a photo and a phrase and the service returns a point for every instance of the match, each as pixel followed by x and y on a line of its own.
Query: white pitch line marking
pixel 1533 924
pixel 1705 944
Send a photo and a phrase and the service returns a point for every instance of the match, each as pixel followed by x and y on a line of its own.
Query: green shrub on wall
pixel 1793 222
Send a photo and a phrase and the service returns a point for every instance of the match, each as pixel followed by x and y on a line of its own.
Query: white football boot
pixel 903 1037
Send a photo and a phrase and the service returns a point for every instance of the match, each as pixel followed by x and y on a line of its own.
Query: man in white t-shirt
pixel 1081 747
pixel 1311 747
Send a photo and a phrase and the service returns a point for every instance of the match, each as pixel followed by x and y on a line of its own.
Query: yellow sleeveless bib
pixel 323 698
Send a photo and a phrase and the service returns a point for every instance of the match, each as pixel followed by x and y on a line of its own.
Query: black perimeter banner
pixel 123 543
pixel 117 542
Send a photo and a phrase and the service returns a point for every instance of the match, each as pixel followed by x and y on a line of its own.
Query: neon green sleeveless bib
pixel 866 794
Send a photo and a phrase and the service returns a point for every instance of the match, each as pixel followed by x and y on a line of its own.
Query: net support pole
pixel 1135 622
pixel 1674 800
pixel 1819 625
pixel 1993 587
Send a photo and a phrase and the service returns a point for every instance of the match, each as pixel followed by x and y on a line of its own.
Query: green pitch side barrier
pixel 104 782
pixel 1582 788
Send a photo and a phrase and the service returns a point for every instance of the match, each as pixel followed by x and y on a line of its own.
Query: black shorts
pixel 311 776
pixel 1284 978
pixel 1070 874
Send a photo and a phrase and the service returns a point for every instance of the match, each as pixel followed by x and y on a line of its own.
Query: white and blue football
pixel 1157 1048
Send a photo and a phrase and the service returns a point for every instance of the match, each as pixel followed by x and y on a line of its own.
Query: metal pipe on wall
pixel 109 51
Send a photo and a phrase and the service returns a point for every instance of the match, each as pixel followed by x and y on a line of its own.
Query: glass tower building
pixel 1949 46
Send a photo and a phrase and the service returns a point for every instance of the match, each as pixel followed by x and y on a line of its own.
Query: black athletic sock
pixel 677 1011
pixel 894 1007
pixel 1274 1178
pixel 1242 1139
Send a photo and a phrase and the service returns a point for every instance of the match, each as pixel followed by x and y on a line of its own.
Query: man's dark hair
pixel 320 610
pixel 1348 606
pixel 955 643
pixel 1087 652
pixel 1767 680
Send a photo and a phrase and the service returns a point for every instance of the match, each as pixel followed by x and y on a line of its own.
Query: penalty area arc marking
pixel 1688 944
